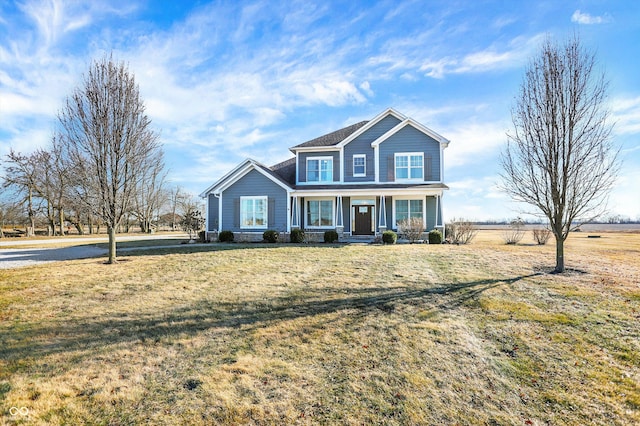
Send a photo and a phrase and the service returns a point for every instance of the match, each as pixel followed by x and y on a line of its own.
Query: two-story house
pixel 359 180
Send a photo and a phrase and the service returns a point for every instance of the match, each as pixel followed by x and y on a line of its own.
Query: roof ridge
pixel 334 137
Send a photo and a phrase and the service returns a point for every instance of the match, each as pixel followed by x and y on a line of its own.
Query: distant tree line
pixel 37 192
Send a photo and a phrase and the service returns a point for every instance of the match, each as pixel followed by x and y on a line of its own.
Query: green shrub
pixel 389 237
pixel 435 237
pixel 270 236
pixel 225 236
pixel 330 236
pixel 297 235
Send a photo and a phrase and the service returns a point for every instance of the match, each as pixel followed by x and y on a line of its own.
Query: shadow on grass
pixel 23 341
pixel 213 247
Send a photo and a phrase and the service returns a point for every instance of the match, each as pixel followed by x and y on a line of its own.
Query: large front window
pixel 320 169
pixel 410 166
pixel 406 209
pixel 253 212
pixel 320 213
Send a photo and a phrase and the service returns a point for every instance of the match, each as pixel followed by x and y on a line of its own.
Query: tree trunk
pixel 111 230
pixel 61 211
pixel 31 230
pixel 559 255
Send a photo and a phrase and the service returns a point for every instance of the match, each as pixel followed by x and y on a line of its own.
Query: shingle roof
pixel 286 170
pixel 332 138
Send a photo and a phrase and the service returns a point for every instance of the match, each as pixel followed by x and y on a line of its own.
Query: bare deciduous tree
pixel 108 139
pixel 51 183
pixel 176 198
pixel 21 174
pixel 149 194
pixel 560 157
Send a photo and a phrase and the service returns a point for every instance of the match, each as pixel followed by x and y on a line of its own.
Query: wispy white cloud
pixel 626 115
pixel 471 142
pixel 587 19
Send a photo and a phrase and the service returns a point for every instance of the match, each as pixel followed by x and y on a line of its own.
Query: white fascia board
pixel 373 122
pixel 366 192
pixel 411 122
pixel 224 178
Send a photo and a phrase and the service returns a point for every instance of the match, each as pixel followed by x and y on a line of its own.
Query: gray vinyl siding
pixel 212 211
pixel 346 213
pixel 302 164
pixel 254 184
pixel 409 139
pixel 362 145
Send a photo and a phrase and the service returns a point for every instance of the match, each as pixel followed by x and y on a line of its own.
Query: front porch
pixel 364 215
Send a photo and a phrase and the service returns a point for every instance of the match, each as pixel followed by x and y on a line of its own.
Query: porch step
pixel 358 238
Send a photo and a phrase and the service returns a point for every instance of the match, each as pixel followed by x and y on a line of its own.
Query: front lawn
pixel 345 334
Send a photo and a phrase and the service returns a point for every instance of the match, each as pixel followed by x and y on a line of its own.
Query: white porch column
pixel 295 214
pixel 382 221
pixel 339 218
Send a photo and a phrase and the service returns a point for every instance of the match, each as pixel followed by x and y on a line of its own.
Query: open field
pixel 344 334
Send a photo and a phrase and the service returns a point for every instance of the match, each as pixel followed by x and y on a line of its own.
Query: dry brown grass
pixel 281 334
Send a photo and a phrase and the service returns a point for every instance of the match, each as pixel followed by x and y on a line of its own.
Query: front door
pixel 363 215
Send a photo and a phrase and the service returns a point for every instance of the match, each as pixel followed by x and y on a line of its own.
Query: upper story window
pixel 359 165
pixel 409 166
pixel 320 169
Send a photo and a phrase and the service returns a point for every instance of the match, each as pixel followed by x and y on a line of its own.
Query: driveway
pixel 17 257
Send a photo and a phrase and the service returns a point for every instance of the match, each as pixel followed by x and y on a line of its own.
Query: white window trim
pixel 424 209
pixel 363 156
pixel 266 213
pixel 333 213
pixel 319 181
pixel 408 155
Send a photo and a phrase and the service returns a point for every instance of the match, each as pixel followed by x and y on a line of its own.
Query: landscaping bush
pixel 411 228
pixel 514 233
pixel 435 237
pixel 460 231
pixel 225 236
pixel 297 236
pixel 270 236
pixel 389 237
pixel 541 236
pixel 202 236
pixel 330 236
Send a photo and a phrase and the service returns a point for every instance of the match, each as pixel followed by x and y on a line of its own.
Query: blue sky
pixel 226 80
